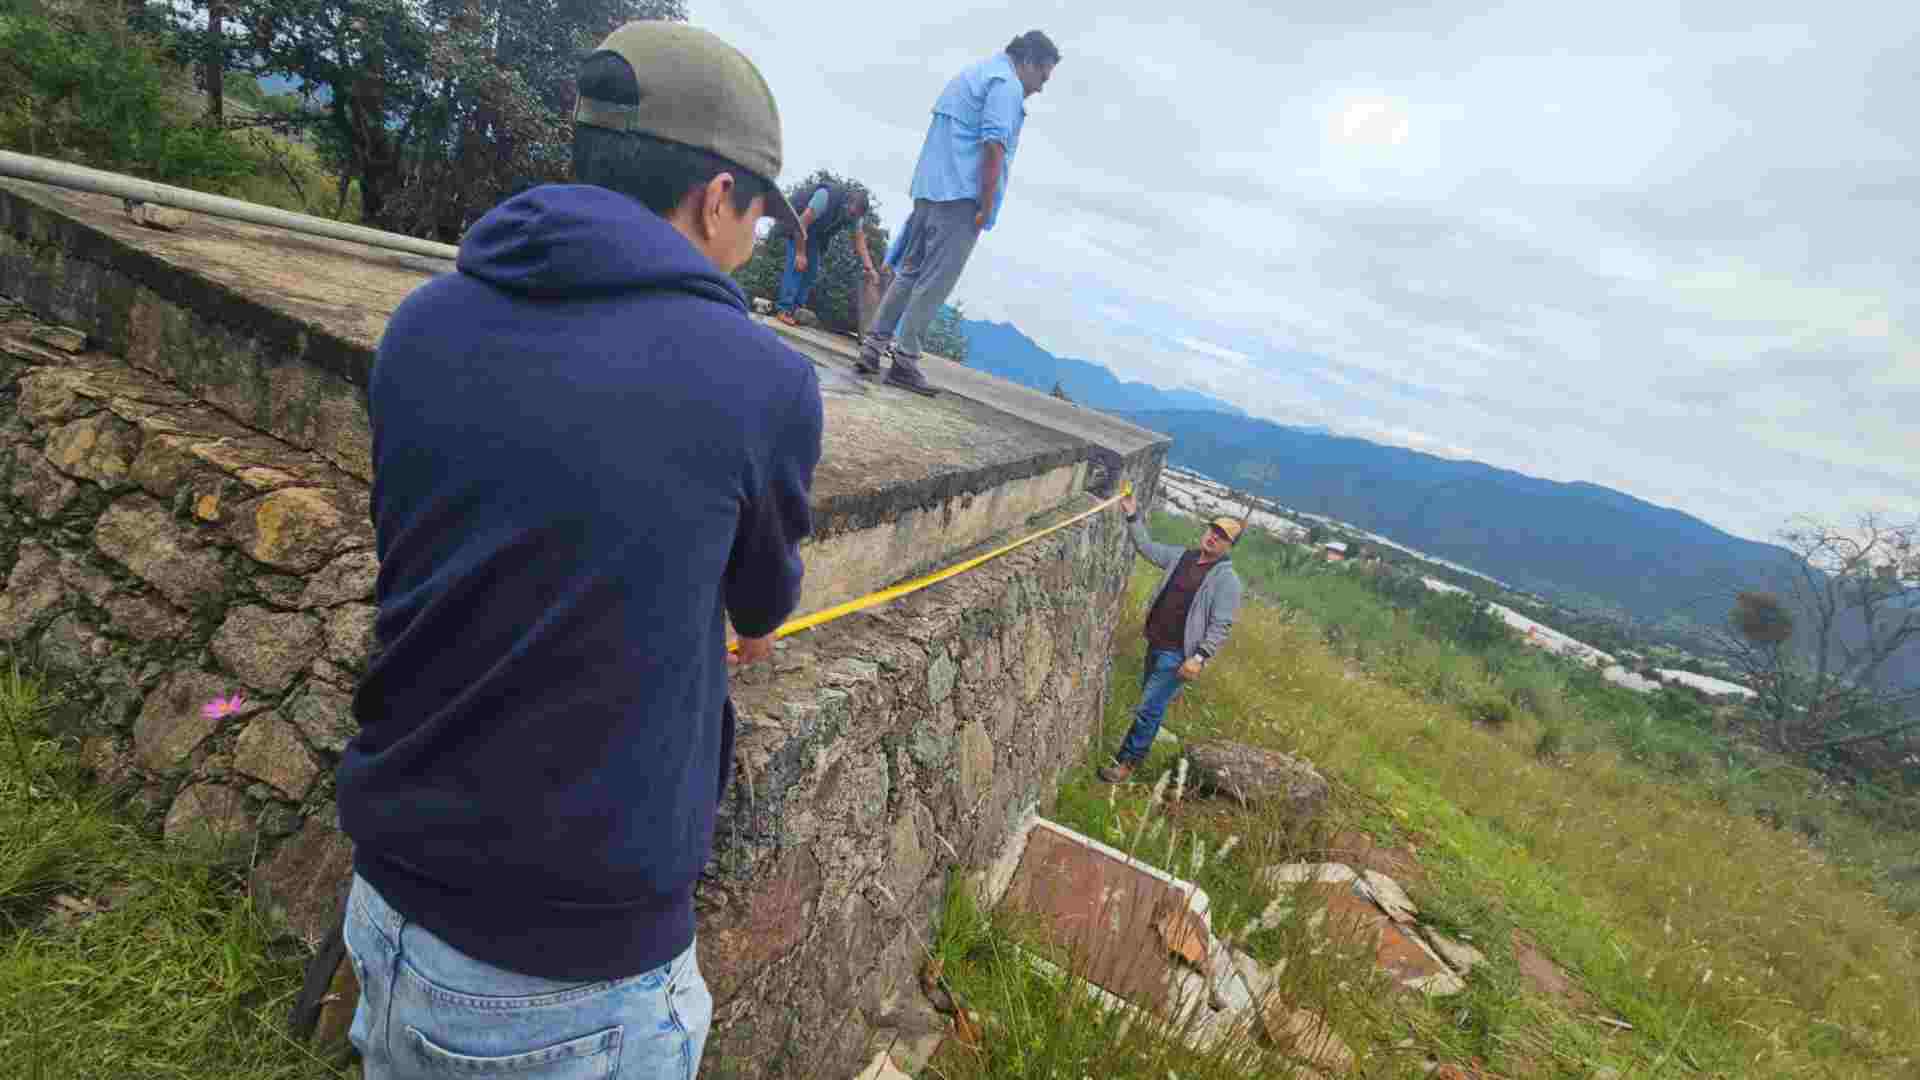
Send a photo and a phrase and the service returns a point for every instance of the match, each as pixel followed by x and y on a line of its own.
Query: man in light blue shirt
pixel 958 187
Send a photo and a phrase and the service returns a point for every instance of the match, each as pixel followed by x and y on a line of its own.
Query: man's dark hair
pixel 1033 47
pixel 656 172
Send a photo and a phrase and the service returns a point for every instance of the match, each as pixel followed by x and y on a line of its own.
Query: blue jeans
pixel 1159 685
pixel 427 1010
pixel 796 284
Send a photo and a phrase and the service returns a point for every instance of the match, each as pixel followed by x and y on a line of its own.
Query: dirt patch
pixel 1363 852
pixel 1542 975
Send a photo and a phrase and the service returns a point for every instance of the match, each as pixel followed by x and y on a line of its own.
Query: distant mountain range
pixel 1001 349
pixel 1582 544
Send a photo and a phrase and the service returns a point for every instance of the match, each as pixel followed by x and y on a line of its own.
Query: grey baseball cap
pixel 698 91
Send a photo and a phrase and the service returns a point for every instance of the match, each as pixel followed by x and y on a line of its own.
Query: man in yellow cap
pixel 1187 623
pixel 591 461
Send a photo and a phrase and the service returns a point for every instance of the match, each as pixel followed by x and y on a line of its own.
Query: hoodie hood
pixel 561 240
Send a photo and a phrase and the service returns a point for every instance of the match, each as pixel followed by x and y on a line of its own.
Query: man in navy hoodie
pixel 587 459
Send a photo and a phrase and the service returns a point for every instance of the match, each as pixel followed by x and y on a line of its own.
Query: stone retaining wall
pixel 159 555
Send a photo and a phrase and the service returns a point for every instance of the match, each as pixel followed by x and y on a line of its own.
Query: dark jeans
pixel 1159 685
pixel 796 284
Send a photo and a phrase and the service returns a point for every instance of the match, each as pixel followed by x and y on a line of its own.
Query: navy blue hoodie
pixel 586 456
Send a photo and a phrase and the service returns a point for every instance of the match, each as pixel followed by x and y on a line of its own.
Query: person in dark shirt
pixel 1187 623
pixel 588 460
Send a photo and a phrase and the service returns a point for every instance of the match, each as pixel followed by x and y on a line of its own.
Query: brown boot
pixel 1116 773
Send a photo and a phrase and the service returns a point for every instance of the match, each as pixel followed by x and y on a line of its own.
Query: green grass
pixel 1628 852
pixel 120 957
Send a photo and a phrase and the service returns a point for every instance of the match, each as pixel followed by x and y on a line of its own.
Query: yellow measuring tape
pixel 875 599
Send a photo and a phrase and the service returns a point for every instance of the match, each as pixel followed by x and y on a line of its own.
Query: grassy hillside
pixel 1743 921
pixel 1744 918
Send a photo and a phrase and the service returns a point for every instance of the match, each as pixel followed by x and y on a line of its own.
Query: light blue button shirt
pixel 983 104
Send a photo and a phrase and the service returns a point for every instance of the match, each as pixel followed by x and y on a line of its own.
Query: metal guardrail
pixel 80 178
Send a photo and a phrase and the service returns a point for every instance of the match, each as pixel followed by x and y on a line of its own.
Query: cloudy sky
pixel 1670 248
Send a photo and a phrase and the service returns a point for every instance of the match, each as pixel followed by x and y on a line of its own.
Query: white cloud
pixel 1656 246
pixel 1208 348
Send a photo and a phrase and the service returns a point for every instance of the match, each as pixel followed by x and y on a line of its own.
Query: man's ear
pixel 713 198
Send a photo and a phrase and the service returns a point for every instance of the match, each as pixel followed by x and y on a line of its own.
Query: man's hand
pixel 800 261
pixel 751 650
pixel 1190 670
pixel 1128 505
pixel 873 276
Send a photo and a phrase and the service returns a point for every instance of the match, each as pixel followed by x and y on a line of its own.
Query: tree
pixel 1820 657
pixel 945 336
pixel 835 298
pixel 78 82
pixel 437 108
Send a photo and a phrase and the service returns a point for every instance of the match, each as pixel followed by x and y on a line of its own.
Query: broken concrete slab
pixel 1290 874
pixel 1388 895
pixel 1460 956
pixel 1105 908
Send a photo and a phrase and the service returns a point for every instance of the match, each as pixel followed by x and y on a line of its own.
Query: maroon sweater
pixel 1167 622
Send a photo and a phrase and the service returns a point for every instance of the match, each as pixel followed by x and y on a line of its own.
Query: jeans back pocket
pixel 589 1057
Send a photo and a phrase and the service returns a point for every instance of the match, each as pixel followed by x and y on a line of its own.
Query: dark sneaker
pixel 1116 773
pixel 916 383
pixel 866 365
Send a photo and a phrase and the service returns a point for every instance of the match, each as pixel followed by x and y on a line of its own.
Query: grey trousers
pixel 940 238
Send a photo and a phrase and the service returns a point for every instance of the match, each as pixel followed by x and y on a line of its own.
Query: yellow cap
pixel 1230 526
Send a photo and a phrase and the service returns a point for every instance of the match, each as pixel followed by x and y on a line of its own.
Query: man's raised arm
pixel 1161 555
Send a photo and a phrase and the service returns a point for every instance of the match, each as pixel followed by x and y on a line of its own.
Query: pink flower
pixel 223 706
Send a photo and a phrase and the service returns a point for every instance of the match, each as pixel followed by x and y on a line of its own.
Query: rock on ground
pixel 1254 776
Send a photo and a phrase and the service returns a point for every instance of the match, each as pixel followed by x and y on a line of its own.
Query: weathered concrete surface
pixel 277 331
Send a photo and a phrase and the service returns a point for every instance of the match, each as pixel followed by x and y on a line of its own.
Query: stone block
pixel 976 768
pixel 265 648
pixel 145 618
pixel 304 885
pixel 280 590
pixel 164 218
pixel 164 464
pixel 100 448
pixel 85 578
pixel 43 488
pixel 350 633
pixel 139 534
pixel 296 529
pixel 64 338
pixel 909 852
pixel 940 675
pixel 347 579
pixel 173 719
pixel 324 714
pixel 1036 658
pixel 70 647
pixel 52 396
pixel 751 933
pixel 33 590
pixel 209 814
pixel 270 750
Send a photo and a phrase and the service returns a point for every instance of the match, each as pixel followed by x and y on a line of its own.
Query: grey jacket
pixel 1215 603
